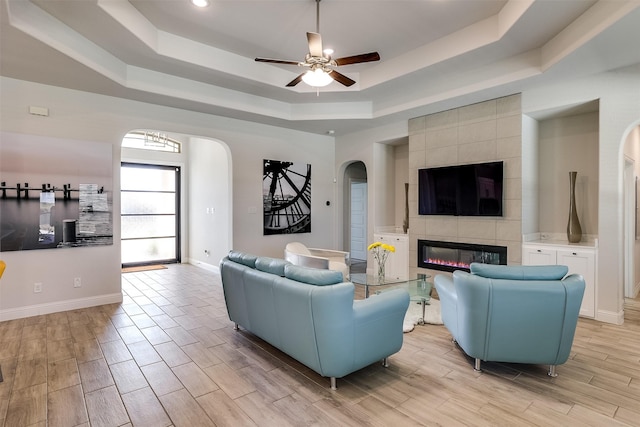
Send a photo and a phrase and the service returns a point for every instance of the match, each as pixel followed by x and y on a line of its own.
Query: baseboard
pixel 208 267
pixel 617 318
pixel 54 307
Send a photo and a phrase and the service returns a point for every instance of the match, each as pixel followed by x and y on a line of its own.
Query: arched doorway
pixel 206 229
pixel 356 211
pixel 631 212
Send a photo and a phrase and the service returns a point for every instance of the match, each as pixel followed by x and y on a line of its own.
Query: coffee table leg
pixel 424 303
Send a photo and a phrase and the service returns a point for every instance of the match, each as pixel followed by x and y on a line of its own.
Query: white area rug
pixel 432 314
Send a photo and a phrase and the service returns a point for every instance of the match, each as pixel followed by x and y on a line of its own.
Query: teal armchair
pixel 515 314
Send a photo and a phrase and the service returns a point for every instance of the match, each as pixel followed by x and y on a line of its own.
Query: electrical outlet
pixel 37 288
pixel 77 282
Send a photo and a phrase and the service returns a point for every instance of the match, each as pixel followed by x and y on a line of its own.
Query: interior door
pixel 358 220
pixel 150 220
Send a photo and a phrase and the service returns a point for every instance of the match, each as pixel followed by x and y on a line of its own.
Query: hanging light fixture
pixel 317 77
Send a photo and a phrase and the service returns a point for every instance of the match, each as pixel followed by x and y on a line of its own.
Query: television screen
pixel 464 190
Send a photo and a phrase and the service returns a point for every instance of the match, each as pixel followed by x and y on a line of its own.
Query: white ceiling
pixel 436 54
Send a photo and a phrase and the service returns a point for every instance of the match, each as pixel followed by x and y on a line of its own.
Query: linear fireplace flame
pixel 450 256
pixel 447 263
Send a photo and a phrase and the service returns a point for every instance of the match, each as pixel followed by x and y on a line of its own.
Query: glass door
pixel 150 219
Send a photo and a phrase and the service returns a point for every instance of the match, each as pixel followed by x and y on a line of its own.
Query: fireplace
pixel 450 256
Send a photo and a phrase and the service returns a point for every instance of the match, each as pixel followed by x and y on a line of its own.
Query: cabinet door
pixel 537 256
pixel 581 262
pixel 397 265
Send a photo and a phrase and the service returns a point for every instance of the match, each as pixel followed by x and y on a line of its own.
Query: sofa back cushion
pixel 520 272
pixel 243 258
pixel 271 265
pixel 312 276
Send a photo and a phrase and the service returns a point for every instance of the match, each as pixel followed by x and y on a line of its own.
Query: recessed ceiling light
pixel 200 3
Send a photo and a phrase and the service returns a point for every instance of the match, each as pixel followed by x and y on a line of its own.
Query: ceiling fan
pixel 320 63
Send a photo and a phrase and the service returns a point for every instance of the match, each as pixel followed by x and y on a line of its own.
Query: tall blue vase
pixel 574 231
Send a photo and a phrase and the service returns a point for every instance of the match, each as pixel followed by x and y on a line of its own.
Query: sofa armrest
pixel 352 334
pixel 378 325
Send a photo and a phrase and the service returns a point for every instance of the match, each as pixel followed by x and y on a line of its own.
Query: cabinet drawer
pixel 538 256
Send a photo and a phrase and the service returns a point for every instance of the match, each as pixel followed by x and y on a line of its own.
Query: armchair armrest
pixel 333 255
pixel 448 302
pixel 307 260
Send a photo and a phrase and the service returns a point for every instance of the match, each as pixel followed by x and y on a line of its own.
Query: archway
pixel 631 213
pixel 206 183
pixel 355 210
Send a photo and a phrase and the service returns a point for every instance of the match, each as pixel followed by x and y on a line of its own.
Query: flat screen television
pixel 462 190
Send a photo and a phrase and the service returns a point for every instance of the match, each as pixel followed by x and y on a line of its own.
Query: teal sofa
pixel 311 315
pixel 516 314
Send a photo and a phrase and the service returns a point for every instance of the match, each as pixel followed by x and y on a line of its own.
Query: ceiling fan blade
pixel 356 59
pixel 341 78
pixel 295 81
pixel 315 44
pixel 277 61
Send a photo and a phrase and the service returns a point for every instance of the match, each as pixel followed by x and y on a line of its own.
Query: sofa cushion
pixel 243 258
pixel 312 276
pixel 271 265
pixel 520 272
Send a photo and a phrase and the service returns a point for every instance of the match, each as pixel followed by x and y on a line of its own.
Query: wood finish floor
pixel 168 356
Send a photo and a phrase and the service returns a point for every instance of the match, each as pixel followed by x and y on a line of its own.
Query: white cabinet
pixel 397 265
pixel 579 259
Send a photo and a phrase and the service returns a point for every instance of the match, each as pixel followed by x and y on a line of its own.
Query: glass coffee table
pixel 417 286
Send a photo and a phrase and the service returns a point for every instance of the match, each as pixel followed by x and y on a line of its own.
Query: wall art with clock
pixel 286 194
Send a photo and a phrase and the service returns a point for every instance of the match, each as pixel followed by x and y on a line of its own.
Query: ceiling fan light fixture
pixel 317 78
pixel 200 3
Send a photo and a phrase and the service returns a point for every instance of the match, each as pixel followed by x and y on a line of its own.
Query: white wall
pixel 568 144
pixel 401 164
pixel 210 203
pixel 530 176
pixel 90 117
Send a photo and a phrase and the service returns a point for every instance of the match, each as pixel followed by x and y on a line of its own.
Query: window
pixel 151 140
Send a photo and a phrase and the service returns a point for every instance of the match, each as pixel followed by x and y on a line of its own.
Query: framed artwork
pixel 54 193
pixel 286 195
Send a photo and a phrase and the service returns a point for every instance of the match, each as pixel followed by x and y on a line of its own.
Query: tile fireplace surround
pixel 450 256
